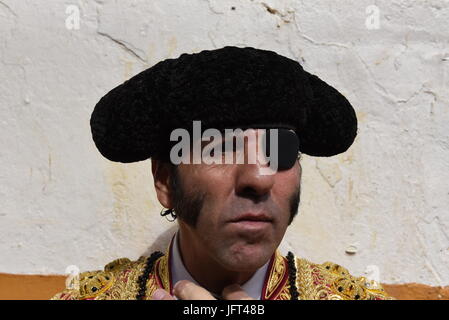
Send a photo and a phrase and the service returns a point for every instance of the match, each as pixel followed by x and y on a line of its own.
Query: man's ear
pixel 162 175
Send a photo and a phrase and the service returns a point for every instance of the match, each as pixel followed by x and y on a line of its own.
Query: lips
pixel 252 217
pixel 252 224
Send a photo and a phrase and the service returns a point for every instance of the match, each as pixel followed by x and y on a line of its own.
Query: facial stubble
pixel 188 206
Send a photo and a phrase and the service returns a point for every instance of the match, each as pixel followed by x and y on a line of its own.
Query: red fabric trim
pixel 156 274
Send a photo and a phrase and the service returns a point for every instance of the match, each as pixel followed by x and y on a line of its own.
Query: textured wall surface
pixel 384 202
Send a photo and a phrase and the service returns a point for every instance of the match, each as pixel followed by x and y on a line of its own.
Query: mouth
pixel 252 217
pixel 251 221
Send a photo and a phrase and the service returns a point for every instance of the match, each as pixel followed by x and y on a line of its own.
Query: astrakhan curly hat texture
pixel 229 87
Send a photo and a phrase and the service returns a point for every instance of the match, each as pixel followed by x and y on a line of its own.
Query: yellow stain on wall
pixel 150 55
pixel 172 44
pixel 116 176
pixel 134 198
pixel 128 73
pixel 361 116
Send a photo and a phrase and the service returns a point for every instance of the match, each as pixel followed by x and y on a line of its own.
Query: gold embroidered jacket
pixel 327 281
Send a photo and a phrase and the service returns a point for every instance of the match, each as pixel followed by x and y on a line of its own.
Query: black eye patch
pixel 287 148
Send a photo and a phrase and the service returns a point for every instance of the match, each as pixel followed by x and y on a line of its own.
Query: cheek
pixel 286 187
pixel 289 179
pixel 215 179
pixel 216 184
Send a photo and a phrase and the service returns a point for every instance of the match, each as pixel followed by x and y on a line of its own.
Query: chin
pixel 247 257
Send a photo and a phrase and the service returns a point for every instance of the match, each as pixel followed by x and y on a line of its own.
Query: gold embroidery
pixel 347 287
pixel 151 286
pixel 285 293
pixel 277 273
pixel 321 293
pixel 335 268
pixel 335 297
pixel 117 265
pixel 327 281
pixel 125 287
pixel 91 284
pixel 304 279
pixel 163 272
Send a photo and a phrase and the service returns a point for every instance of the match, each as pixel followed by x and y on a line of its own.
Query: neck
pixel 204 269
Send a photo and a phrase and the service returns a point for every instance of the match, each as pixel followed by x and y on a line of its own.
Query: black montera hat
pixel 229 87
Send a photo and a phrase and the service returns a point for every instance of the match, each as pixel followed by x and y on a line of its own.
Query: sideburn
pixel 295 198
pixel 186 206
pixel 294 204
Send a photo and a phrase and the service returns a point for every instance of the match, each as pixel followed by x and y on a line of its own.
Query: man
pixel 233 215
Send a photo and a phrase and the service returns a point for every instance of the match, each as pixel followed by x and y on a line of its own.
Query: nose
pixel 250 183
pixel 251 180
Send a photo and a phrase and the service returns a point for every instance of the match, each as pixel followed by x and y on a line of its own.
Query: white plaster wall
pixel 388 196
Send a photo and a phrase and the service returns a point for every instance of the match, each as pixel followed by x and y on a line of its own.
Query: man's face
pixel 234 212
